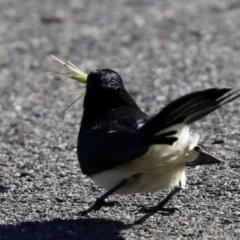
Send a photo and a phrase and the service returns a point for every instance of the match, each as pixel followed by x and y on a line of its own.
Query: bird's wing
pixel 106 147
pixel 189 108
pixel 109 146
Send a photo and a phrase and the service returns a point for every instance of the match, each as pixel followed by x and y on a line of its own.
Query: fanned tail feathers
pixel 204 157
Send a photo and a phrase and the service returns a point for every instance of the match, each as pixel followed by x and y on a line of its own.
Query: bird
pixel 126 151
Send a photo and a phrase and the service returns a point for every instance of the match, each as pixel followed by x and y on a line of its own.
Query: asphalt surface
pixel 162 50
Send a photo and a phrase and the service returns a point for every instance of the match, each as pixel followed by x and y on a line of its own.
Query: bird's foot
pixel 95 207
pixel 99 203
pixel 158 208
pixel 111 204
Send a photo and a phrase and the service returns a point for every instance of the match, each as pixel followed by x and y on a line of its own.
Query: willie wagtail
pixel 126 151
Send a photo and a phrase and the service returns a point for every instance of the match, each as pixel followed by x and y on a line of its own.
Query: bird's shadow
pixel 82 228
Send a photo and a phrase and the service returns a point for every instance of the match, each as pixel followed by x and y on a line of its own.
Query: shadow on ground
pixel 64 229
pixel 67 229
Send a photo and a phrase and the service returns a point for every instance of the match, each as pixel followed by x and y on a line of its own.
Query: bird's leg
pixel 159 206
pixel 100 201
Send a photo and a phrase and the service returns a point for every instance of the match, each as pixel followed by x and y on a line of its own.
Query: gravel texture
pixel 162 49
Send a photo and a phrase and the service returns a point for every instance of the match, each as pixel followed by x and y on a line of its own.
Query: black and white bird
pixel 125 151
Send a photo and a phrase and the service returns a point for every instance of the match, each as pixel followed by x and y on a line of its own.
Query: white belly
pixel 161 167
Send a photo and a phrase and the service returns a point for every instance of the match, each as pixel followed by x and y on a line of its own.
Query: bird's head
pixel 105 91
pixel 104 80
pixel 104 88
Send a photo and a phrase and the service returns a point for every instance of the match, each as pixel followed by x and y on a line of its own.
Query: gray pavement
pixel 162 50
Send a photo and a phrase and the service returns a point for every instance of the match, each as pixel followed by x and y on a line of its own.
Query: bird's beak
pixel 80 75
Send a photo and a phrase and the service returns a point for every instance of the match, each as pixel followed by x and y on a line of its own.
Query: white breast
pixel 161 167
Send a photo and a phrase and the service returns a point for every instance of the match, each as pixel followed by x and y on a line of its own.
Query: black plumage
pixel 115 132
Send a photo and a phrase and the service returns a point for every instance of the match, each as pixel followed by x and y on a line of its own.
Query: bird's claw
pixel 99 203
pixel 112 204
pixel 158 209
pixel 95 207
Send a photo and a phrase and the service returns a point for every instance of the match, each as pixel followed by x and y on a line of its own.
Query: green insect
pixel 80 76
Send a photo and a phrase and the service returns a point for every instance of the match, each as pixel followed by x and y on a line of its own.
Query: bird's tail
pixel 203 158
